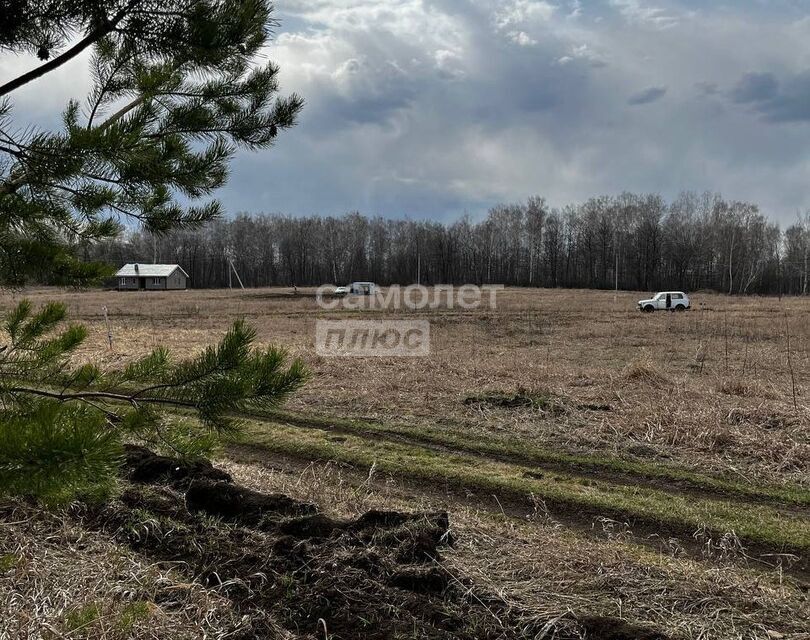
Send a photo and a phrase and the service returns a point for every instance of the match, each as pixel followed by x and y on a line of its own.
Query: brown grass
pixel 671 379
pixel 58 581
pixel 646 372
pixel 707 390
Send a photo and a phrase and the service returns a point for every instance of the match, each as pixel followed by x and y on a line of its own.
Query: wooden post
pixel 109 327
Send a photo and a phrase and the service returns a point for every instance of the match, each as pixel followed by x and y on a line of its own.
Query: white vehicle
pixel 665 301
pixel 341 291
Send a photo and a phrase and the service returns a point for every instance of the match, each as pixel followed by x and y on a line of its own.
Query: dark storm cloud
pixel 778 102
pixel 755 87
pixel 652 94
pixel 430 108
pixel 436 107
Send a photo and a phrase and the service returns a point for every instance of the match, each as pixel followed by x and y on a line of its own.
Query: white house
pixel 159 277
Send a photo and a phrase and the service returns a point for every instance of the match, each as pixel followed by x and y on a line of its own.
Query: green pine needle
pixel 64 424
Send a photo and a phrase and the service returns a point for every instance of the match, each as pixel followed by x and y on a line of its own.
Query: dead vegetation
pixel 59 580
pixel 728 353
pixel 744 388
pixel 646 372
pixel 288 569
pixel 710 392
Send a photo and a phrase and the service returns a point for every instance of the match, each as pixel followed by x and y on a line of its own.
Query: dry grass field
pixel 594 460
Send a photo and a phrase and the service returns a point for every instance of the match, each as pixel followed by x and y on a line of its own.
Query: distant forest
pixel 698 241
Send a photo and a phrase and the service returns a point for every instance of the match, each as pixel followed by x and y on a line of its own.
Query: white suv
pixel 665 301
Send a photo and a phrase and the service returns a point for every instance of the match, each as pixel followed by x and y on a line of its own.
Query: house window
pixel 155 280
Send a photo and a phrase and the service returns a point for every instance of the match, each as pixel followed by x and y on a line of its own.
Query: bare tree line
pixel 697 241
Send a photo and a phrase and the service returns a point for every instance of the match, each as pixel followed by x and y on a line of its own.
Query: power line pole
pixel 616 274
pixel 229 256
pixel 616 268
pixel 418 257
pixel 236 273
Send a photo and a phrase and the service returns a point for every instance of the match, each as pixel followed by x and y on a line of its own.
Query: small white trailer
pixel 363 288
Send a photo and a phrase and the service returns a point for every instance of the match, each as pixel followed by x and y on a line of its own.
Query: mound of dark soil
pixel 239 504
pixel 502 400
pixel 282 562
pixel 520 399
pixel 595 406
pixel 143 466
pixel 608 628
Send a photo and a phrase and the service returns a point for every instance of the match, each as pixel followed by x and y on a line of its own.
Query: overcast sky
pixel 430 108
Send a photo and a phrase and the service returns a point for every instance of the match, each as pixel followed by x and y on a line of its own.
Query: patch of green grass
pixel 676 512
pixel 520 452
pixel 81 617
pixel 133 613
pixel 8 561
pixel 288 584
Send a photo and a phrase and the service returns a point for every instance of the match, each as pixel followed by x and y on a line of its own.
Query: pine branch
pixel 67 396
pixel 121 112
pixel 94 36
pixel 103 90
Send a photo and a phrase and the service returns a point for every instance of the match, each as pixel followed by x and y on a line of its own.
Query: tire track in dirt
pixel 577 468
pixel 598 524
pixel 656 526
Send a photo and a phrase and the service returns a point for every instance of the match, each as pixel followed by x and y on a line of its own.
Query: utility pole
pixel 616 272
pixel 418 261
pixel 616 268
pixel 229 256
pixel 236 273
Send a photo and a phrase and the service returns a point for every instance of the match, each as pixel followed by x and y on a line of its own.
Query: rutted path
pixel 609 469
pixel 574 495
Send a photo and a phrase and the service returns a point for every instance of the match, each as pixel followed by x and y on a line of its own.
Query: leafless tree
pixel 635 241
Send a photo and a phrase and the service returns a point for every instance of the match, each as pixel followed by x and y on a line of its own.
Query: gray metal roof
pixel 149 270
